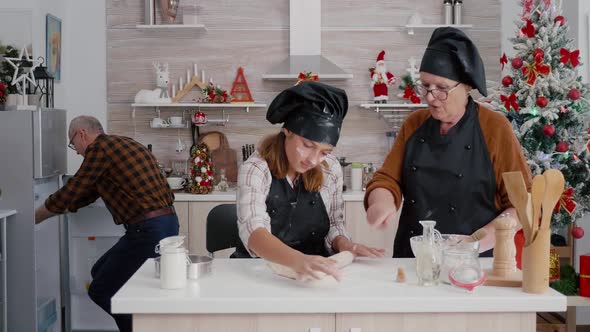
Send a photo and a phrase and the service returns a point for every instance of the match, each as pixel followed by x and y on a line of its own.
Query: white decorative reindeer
pixel 159 95
pixel 162 78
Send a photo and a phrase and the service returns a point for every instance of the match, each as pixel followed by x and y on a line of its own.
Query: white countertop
pixel 230 196
pixel 7 213
pixel 368 286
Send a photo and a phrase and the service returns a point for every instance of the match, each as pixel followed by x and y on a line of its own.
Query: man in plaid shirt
pixel 126 176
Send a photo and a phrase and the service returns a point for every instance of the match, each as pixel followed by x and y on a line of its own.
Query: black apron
pixel 449 179
pixel 297 217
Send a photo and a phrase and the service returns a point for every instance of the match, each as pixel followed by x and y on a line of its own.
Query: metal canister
pixel 448 10
pixel 457 11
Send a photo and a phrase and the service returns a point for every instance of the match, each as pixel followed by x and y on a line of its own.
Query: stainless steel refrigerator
pixel 33 148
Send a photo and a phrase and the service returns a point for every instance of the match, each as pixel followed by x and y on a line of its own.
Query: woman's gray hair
pixel 90 123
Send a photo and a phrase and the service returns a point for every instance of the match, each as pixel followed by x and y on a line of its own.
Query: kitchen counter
pixel 7 213
pixel 230 196
pixel 248 290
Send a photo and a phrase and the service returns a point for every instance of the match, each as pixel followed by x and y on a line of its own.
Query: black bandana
pixel 312 110
pixel 451 54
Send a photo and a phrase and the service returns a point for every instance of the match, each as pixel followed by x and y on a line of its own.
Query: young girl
pixel 290 207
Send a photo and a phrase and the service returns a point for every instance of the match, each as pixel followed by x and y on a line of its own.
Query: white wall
pixel 86 64
pixel 82 89
pixel 510 13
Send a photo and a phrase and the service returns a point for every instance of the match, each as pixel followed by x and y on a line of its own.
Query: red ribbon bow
pixel 567 202
pixel 510 102
pixel 306 76
pixel 572 57
pixel 410 94
pixel 503 60
pixel 528 29
pixel 538 68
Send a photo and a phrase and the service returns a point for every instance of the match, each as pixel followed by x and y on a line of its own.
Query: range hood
pixel 305 45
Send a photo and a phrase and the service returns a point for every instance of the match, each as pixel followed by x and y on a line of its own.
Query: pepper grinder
pixel 457 11
pixel 504 272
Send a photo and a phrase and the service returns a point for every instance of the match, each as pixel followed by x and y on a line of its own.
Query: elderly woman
pixel 290 207
pixel 447 161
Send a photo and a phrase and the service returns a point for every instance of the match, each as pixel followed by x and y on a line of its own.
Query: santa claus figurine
pixel 380 77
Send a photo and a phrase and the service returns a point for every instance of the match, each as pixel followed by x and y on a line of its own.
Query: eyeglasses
pixel 71 144
pixel 440 94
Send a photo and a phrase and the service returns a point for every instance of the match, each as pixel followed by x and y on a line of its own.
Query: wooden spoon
pixel 518 195
pixel 537 195
pixel 554 186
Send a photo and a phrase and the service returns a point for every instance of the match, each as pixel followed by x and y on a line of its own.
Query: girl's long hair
pixel 272 149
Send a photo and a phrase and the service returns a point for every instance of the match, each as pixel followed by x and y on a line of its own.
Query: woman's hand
pixel 361 250
pixel 315 267
pixel 381 210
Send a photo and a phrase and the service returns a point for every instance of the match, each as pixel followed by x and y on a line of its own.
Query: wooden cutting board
pixel 222 155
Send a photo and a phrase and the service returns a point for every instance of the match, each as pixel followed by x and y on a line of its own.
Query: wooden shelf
pixel 247 106
pixel 394 107
pixel 412 27
pixel 203 105
pixel 171 27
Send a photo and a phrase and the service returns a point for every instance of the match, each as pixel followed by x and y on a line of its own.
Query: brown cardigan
pixel 503 146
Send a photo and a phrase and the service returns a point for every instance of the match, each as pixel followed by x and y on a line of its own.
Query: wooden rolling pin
pixel 342 259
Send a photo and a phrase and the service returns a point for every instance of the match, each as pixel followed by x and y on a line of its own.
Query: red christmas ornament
pixel 574 94
pixel 548 130
pixel 538 54
pixel 560 19
pixel 517 63
pixel 578 232
pixel 199 118
pixel 507 80
pixel 562 147
pixel 542 101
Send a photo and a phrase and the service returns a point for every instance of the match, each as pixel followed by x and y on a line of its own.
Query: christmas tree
pixel 545 100
pixel 201 173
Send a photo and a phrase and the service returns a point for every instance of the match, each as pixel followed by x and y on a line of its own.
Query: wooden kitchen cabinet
pixel 198 212
pixel 362 232
pixel 183 217
pixel 436 322
pixel 237 322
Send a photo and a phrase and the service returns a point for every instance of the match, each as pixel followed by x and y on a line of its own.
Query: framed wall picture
pixel 53 46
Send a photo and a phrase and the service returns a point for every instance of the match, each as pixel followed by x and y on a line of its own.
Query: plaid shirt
pixel 254 181
pixel 120 171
